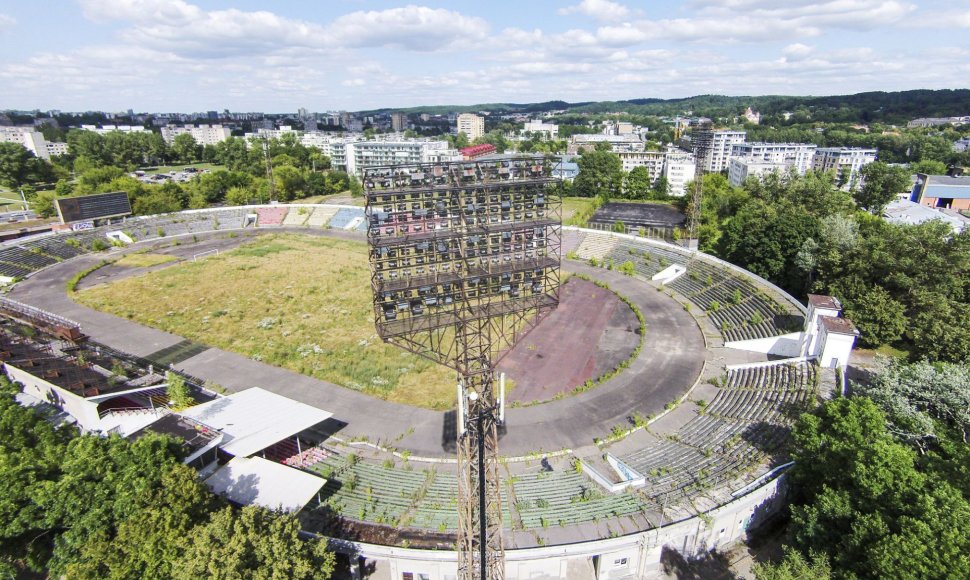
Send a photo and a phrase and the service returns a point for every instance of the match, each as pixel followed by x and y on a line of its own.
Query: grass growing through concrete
pixel 145 260
pixel 298 302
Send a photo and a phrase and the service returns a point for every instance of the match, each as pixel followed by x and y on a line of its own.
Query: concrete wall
pixel 633 556
pixel 787 345
pixel 86 412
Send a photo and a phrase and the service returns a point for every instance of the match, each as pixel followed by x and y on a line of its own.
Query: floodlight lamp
pixel 472 395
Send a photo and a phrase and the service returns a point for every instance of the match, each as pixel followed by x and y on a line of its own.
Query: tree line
pixel 84 506
pixel 101 163
pixel 880 484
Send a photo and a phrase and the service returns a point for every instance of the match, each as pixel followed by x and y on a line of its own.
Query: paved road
pixel 668 365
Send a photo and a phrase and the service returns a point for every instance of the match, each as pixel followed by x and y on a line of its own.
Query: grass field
pixel 298 302
pixel 145 260
pixel 576 211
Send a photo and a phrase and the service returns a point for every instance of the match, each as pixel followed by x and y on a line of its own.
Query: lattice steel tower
pixel 465 260
pixel 702 140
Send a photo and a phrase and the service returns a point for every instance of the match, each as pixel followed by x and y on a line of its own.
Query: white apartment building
pixel 741 168
pixel 797 155
pixel 203 134
pixel 549 130
pixel 618 143
pixel 354 156
pixel 471 125
pixel 263 133
pixel 54 148
pixel 28 138
pixel 845 162
pixel 652 160
pixel 719 153
pixel 112 128
pixel 679 169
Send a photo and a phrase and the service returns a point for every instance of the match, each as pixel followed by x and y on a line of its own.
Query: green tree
pixel 638 184
pixel 880 185
pixel 18 166
pixel 600 175
pixel 795 567
pixel 253 543
pixel 880 318
pixel 289 183
pixel 862 502
pixel 179 396
pixel 185 149
pixel 928 167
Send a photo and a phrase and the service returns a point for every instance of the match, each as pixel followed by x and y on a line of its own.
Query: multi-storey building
pixel 722 143
pixel 652 160
pixel 797 155
pixel 741 168
pixel 399 121
pixel 679 168
pixel 471 125
pixel 548 130
pixel 112 128
pixel 203 134
pixel 356 155
pixel 54 148
pixel 27 137
pixel 845 162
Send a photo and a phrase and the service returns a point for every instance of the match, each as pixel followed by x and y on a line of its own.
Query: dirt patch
pixel 590 333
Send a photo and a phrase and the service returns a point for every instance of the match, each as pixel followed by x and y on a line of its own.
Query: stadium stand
pixel 297 216
pixel 321 216
pixel 595 245
pixel 349 218
pixel 271 216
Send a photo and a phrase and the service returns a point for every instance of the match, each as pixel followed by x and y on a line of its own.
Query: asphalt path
pixel 669 364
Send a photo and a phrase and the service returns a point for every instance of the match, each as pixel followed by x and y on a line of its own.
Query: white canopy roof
pixel 254 419
pixel 258 481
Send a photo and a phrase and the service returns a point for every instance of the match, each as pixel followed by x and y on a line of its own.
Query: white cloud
pixel 6 22
pixel 843 14
pixel 411 27
pixel 604 10
pixel 797 51
pixel 183 28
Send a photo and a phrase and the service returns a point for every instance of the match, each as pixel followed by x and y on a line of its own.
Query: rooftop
pixel 823 301
pixel 258 481
pixel 254 419
pixel 836 325
pixel 903 211
pixel 196 435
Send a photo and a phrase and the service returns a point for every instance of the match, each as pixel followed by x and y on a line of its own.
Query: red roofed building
pixel 475 151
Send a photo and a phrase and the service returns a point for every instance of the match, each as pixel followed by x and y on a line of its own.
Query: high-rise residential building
pixel 797 155
pixel 354 156
pixel 203 134
pixel 741 168
pixel 652 160
pixel 471 125
pixel 27 137
pixel 399 121
pixel 547 130
pixel 719 153
pixel 845 162
pixel 679 169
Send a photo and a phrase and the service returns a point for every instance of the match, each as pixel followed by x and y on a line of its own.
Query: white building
pixel 113 128
pixel 679 168
pixel 652 160
pixel 548 130
pixel 797 155
pixel 845 162
pixel 264 133
pixel 354 156
pixel 28 138
pixel 618 143
pixel 203 134
pixel 722 144
pixel 399 121
pixel 471 125
pixel 54 148
pixel 741 168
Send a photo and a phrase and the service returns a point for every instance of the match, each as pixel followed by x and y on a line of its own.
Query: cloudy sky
pixel 194 55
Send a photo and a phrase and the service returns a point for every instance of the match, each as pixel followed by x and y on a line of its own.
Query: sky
pixel 242 55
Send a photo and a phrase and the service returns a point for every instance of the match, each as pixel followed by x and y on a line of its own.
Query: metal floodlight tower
pixel 465 260
pixel 702 141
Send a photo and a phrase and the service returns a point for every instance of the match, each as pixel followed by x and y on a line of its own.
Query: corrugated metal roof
pixel 254 419
pixel 258 481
